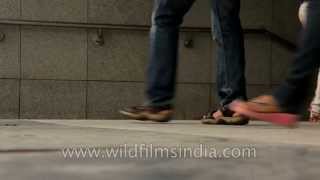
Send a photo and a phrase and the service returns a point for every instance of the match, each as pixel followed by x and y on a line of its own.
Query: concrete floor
pixel 32 149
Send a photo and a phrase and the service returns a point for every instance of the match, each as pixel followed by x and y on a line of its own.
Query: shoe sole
pixel 232 121
pixel 236 121
pixel 211 121
pixel 165 116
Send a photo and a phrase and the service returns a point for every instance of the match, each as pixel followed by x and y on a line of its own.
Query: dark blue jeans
pixel 164 35
pixel 294 90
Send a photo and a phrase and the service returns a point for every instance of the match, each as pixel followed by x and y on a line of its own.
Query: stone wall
pixel 56 72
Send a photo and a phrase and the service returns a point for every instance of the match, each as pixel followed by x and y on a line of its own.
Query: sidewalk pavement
pixel 32 149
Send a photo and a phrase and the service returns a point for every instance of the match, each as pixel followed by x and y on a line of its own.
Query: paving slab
pixel 260 132
pixel 34 149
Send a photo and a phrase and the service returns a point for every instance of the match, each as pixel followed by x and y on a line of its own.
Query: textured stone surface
pixel 10 9
pixel 255 132
pixel 196 63
pixel 285 19
pixel 137 12
pixel 128 53
pixel 257 90
pixel 282 166
pixel 55 10
pixel 10 52
pixel 258 59
pixel 192 101
pixel 123 57
pixel 53 99
pixel 256 13
pixel 106 99
pixel 9 99
pixel 281 61
pixel 276 152
pixel 199 15
pixel 53 53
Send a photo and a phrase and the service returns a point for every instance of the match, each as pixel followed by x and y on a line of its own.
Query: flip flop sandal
pixel 209 119
pixel 237 121
pixel 278 118
pixel 226 119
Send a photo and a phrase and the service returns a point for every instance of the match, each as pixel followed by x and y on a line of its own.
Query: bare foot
pixel 265 109
pixel 218 114
pixel 264 104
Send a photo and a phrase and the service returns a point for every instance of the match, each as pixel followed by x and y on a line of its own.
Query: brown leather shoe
pixel 148 113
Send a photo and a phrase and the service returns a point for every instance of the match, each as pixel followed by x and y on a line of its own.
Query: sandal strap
pixel 225 112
